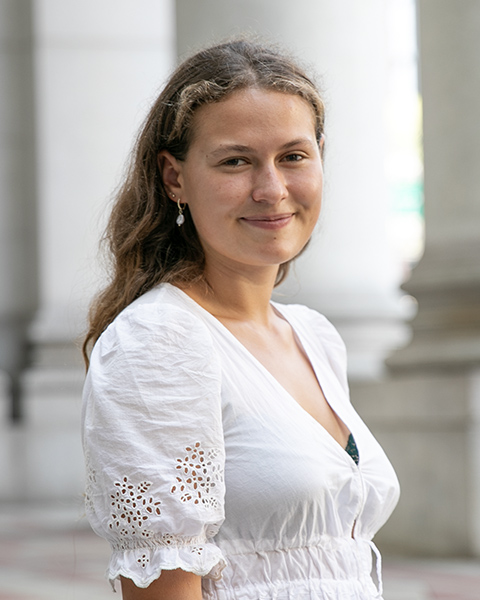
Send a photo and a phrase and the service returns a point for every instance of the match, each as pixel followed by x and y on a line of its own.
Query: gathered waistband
pixel 333 567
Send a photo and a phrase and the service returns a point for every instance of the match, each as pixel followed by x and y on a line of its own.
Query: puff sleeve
pixel 153 444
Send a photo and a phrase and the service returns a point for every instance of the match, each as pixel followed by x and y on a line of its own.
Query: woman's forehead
pixel 254 111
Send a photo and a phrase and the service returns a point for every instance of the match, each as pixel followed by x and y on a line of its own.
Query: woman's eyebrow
pixel 226 148
pixel 298 142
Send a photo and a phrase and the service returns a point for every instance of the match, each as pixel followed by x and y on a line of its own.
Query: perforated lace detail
pixel 132 509
pixel 199 473
pixel 91 480
pixel 165 540
pixel 143 560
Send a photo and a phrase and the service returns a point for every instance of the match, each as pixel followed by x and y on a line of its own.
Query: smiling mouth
pixel 269 221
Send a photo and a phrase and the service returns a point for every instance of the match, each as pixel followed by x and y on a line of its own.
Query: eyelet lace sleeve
pixel 153 444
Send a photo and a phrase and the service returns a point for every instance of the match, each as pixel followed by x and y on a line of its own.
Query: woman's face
pixel 252 179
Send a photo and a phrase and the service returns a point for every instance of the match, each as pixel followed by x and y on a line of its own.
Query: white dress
pixel 197 458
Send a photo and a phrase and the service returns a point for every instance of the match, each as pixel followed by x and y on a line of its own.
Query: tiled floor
pixel 53 555
pixel 431 580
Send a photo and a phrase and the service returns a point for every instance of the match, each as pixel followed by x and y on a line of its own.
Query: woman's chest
pixel 285 475
pixel 286 480
pixel 285 472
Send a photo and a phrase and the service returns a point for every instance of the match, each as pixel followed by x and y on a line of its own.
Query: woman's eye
pixel 234 162
pixel 293 157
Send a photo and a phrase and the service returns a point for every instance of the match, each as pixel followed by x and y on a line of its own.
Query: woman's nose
pixel 269 186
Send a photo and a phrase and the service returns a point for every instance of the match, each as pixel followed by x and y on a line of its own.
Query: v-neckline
pixel 319 376
pixel 277 307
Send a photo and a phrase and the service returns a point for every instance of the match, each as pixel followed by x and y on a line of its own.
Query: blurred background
pixel 395 263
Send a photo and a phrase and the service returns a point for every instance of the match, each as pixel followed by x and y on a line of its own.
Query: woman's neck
pixel 236 296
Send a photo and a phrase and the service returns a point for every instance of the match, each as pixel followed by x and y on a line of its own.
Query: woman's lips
pixel 269 221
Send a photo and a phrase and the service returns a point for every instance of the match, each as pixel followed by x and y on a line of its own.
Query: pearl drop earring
pixel 181 218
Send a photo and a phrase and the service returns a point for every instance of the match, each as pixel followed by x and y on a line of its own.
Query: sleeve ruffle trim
pixel 145 565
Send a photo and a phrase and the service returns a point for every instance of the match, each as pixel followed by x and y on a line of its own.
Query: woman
pixel 224 457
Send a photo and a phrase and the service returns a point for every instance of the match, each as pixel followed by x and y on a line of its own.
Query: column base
pixel 446 329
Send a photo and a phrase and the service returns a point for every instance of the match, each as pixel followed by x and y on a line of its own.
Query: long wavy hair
pixel 145 245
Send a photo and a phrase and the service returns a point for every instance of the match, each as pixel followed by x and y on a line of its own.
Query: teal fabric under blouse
pixel 352 449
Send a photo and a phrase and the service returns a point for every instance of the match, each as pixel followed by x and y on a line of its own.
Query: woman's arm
pixel 171 585
pixel 152 412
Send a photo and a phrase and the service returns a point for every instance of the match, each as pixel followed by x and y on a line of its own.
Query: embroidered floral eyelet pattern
pixel 168 539
pixel 198 475
pixel 143 561
pixel 132 508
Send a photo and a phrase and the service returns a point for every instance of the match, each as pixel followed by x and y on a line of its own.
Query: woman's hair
pixel 145 245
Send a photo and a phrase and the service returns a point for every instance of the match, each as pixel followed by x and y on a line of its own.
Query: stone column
pixel 428 413
pixel 348 272
pixel 18 243
pixel 98 65
pixel 446 282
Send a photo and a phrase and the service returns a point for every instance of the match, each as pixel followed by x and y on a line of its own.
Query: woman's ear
pixel 171 171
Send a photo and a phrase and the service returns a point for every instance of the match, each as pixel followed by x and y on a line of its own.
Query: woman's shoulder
pixel 312 322
pixel 320 334
pixel 160 316
pixel 155 348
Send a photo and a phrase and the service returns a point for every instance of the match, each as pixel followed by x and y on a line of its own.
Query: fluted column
pixel 348 272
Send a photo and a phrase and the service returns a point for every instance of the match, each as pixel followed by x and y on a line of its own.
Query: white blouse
pixel 197 458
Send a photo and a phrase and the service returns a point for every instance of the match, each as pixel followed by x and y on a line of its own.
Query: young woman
pixel 225 460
